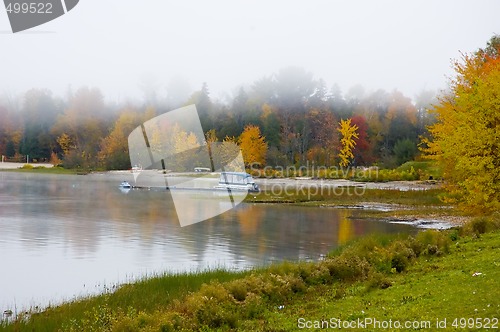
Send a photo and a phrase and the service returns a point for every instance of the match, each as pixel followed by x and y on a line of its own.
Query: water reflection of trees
pixel 84 214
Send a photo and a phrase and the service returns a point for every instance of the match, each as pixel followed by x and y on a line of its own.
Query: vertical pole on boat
pixel 231 198
pixel 146 140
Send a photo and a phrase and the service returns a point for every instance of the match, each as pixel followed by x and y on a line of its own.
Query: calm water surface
pixel 64 236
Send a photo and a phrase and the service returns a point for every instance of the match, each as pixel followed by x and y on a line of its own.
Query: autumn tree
pixel 466 138
pixel 253 146
pixel 114 148
pixel 362 153
pixel 226 155
pixel 172 146
pixel 85 122
pixel 187 149
pixel 373 109
pixel 210 137
pixel 66 143
pixel 324 140
pixel 347 142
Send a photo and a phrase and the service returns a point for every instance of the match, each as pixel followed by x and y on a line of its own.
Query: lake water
pixel 64 236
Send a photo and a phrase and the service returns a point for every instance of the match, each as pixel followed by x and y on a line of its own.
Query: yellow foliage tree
pixel 466 137
pixel 253 146
pixel 348 143
pixel 186 148
pixel 65 142
pixel 114 148
pixel 182 140
pixel 229 155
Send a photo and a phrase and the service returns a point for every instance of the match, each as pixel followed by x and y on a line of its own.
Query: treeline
pixel 294 119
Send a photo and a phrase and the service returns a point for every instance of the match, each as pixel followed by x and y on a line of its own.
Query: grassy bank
pixel 435 275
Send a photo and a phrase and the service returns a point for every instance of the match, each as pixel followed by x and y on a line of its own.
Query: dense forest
pixel 292 117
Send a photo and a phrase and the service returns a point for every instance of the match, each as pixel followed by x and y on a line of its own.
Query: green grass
pixel 426 277
pixel 424 168
pixel 409 171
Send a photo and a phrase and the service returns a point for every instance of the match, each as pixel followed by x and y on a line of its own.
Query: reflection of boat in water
pixel 240 181
pixel 202 169
pixel 125 185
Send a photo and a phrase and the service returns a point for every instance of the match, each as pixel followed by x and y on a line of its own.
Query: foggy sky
pixel 124 47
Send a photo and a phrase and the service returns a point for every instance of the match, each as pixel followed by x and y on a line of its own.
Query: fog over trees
pixel 296 115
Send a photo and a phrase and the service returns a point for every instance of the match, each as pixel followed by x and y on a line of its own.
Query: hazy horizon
pixel 127 48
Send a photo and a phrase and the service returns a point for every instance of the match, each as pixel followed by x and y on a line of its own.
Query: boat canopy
pixel 235 178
